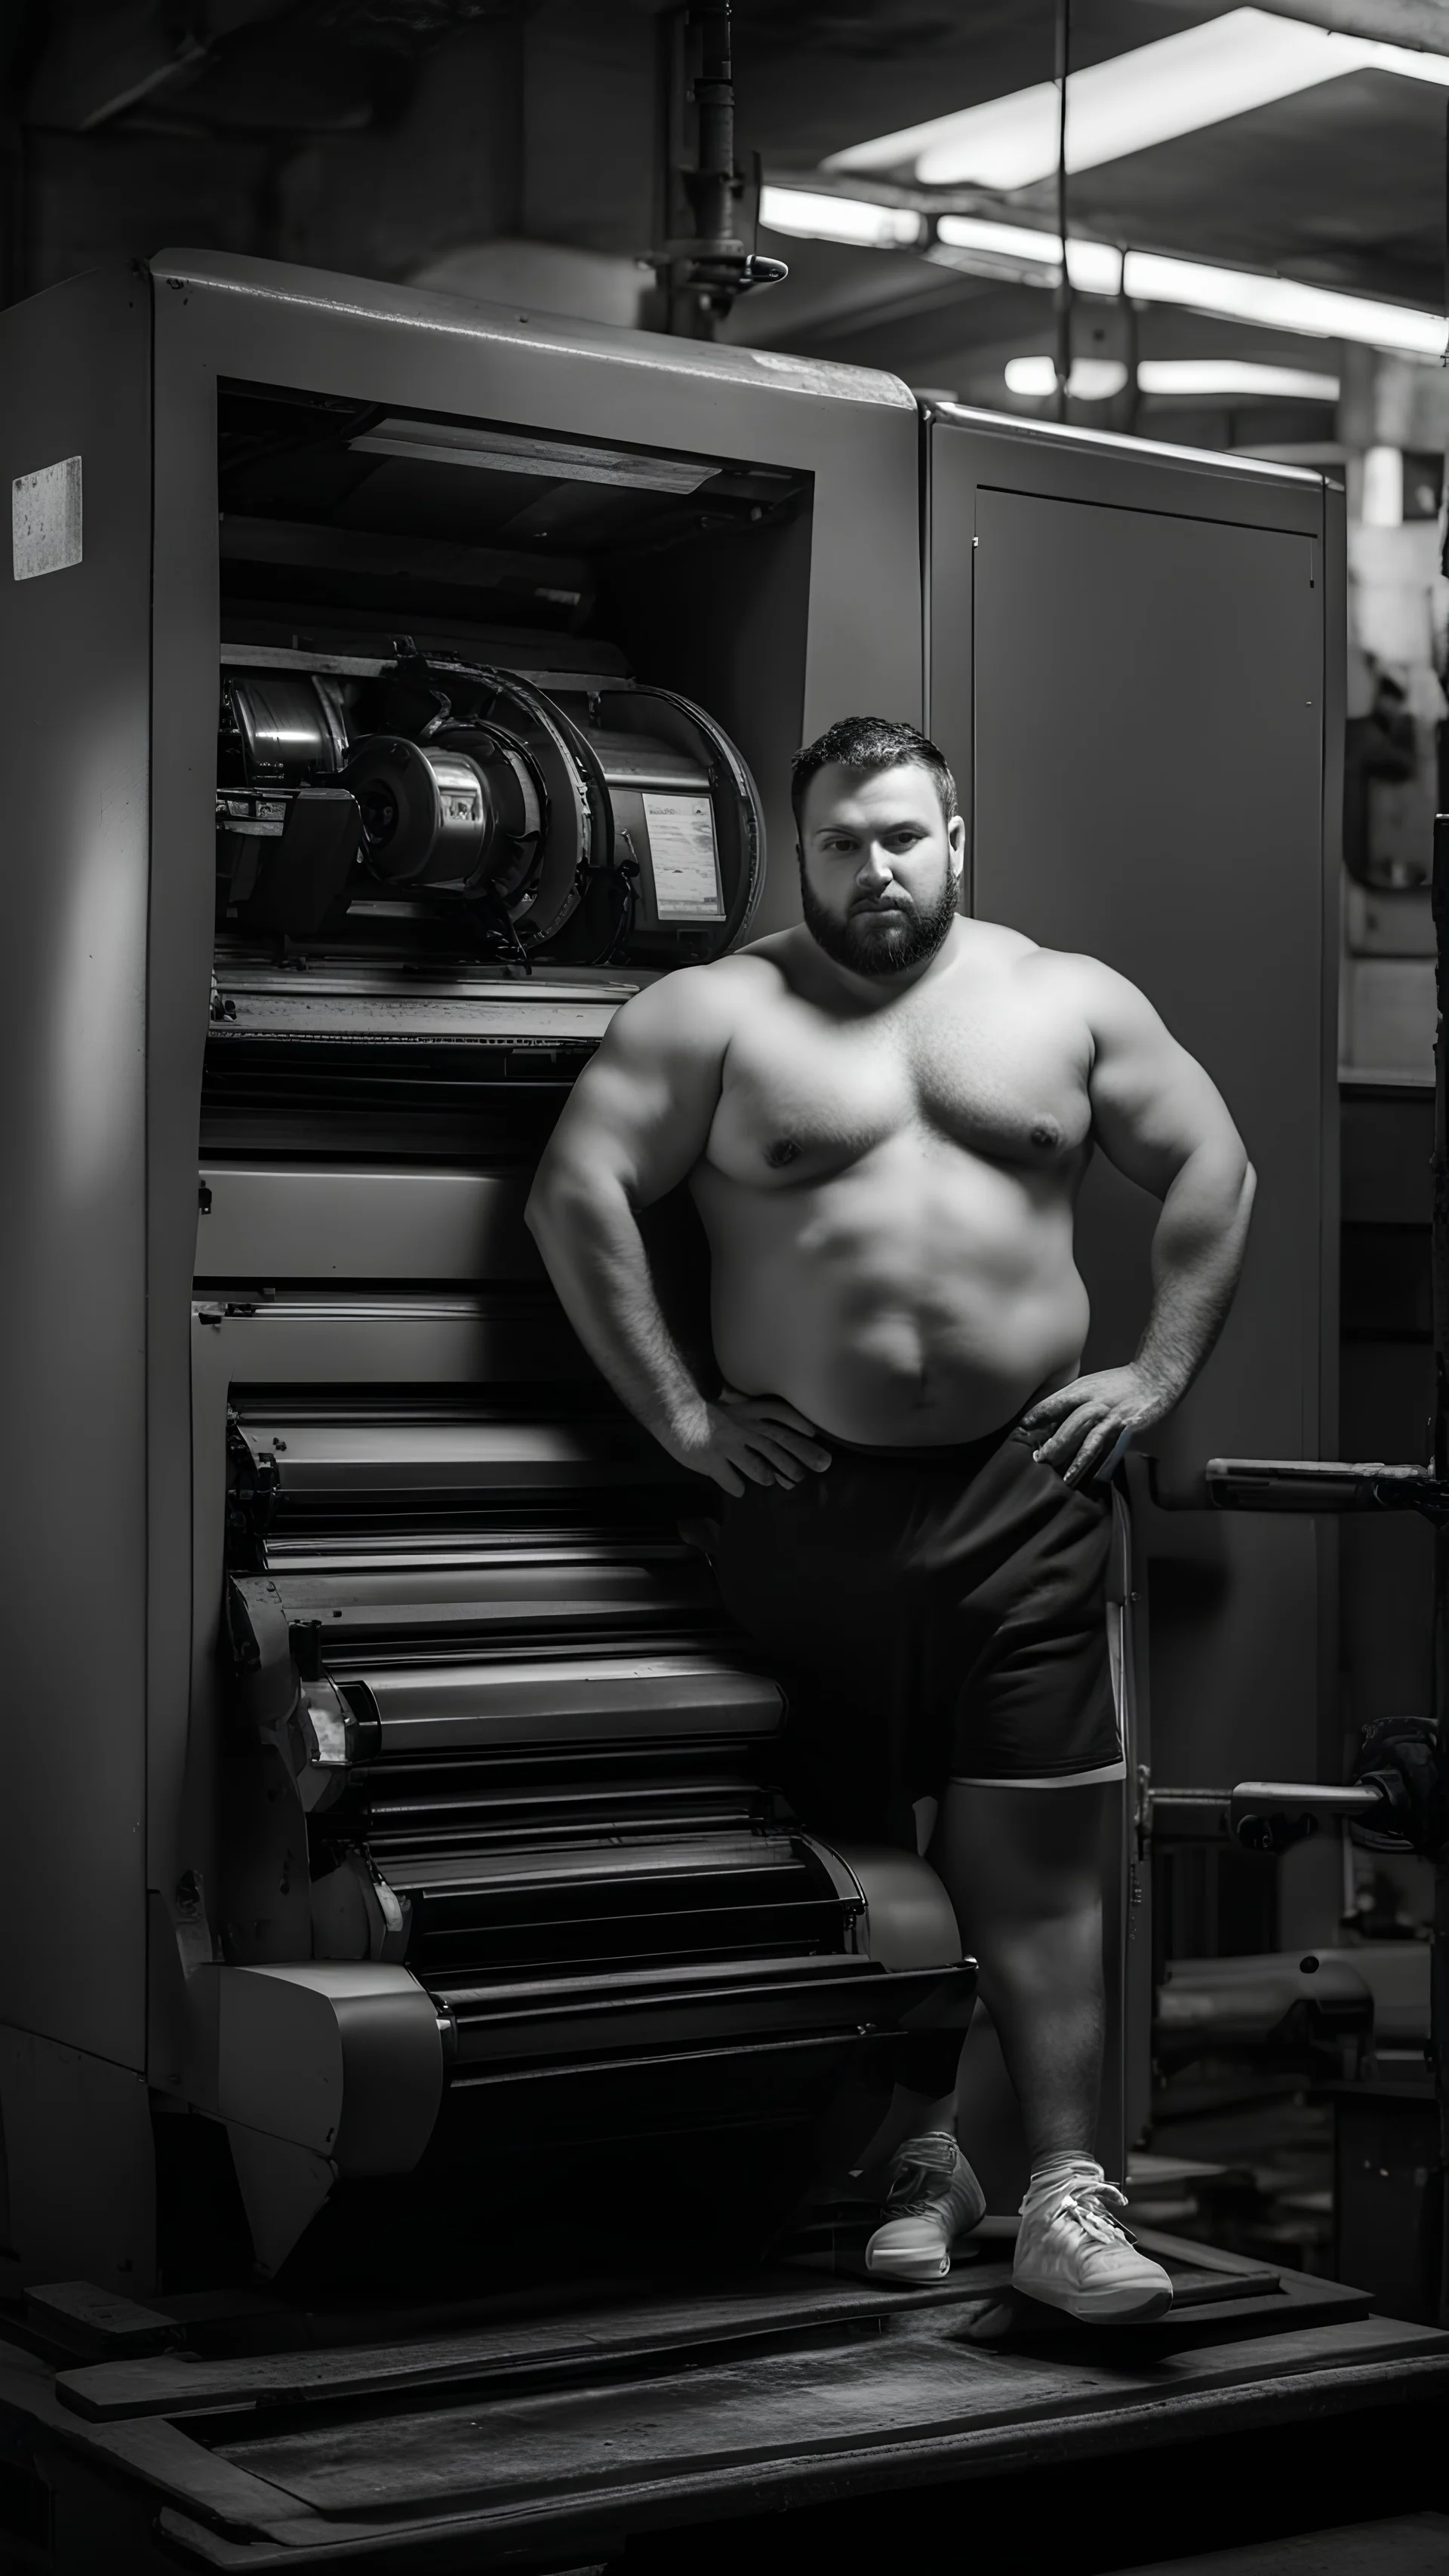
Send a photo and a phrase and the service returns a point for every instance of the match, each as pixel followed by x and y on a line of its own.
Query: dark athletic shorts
pixel 936 1614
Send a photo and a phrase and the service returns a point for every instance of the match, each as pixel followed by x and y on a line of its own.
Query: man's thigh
pixel 1016 1857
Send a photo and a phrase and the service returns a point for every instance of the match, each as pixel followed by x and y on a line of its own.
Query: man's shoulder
pixel 747 979
pixel 771 957
pixel 1001 954
pixel 700 1004
pixel 1112 1009
pixel 1064 981
pixel 995 943
pixel 1059 970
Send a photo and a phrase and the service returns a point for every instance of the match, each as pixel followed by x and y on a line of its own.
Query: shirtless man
pixel 884 1117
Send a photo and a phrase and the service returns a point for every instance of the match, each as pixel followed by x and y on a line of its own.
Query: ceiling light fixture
pixel 1234 294
pixel 814 216
pixel 1281 304
pixel 1097 379
pixel 980 247
pixel 1235 377
pixel 1091 379
pixel 1096 267
pixel 1200 76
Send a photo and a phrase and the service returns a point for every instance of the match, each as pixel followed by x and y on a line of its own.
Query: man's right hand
pixel 749 1439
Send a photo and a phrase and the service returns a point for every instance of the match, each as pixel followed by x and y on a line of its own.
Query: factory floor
pixel 1261 2141
pixel 766 2421
pixel 721 2420
pixel 1063 2528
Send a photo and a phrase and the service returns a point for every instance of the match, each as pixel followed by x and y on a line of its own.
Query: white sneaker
pixel 933 2198
pixel 1073 2254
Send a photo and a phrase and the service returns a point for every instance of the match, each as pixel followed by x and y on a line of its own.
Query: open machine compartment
pixel 441 738
pixel 489 700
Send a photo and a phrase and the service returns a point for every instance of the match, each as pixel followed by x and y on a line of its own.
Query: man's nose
pixel 874 870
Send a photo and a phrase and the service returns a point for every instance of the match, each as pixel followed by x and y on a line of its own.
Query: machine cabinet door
pixel 1141 757
pixel 1128 673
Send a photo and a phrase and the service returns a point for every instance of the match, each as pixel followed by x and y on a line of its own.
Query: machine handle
pixel 1270 1815
pixel 1323 1485
pixel 1200 1812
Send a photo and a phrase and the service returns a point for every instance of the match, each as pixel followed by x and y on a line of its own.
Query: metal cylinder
pixel 427 818
pixel 714 99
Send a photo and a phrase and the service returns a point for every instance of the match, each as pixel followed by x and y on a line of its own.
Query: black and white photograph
pixel 724 1295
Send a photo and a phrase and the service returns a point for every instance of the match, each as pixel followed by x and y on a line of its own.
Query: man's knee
pixel 1051 1935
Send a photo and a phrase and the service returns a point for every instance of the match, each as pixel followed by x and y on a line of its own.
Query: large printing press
pixel 503 1772
pixel 502 1844
pixel 416 1807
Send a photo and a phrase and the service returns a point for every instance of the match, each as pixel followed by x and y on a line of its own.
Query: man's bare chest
pixel 804 1096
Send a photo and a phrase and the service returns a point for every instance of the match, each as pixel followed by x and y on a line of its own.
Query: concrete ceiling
pixel 394 136
pixel 1341 186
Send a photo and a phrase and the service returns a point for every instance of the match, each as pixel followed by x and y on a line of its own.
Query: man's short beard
pixel 888 942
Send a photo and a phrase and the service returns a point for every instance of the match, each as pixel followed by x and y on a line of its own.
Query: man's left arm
pixel 1159 1118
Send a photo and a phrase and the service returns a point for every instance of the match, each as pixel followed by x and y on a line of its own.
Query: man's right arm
pixel 636 1123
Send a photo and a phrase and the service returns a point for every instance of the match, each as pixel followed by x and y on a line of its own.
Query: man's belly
pixel 925 1313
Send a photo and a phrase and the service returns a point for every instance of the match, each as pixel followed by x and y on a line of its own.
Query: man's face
pixel 879 867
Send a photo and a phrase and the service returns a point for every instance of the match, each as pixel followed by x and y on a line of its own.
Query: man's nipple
pixel 783 1150
pixel 1046 1132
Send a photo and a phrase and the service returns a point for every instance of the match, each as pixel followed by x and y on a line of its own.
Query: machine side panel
pixel 74 650
pixel 183 717
pixel 1328 1531
pixel 1148 741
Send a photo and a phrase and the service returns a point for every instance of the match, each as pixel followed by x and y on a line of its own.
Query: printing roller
pixel 513 1754
pixel 288 1465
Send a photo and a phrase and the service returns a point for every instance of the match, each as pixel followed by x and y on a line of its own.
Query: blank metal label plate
pixel 45 519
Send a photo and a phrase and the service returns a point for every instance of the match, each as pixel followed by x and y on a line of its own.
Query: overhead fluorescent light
pixel 1091 379
pixel 1236 294
pixel 981 247
pixel 1094 267
pixel 814 216
pixel 1236 377
pixel 1198 77
pixel 504 451
pixel 1097 379
pixel 1281 304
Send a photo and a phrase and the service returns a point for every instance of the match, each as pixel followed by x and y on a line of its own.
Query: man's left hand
pixel 1079 1428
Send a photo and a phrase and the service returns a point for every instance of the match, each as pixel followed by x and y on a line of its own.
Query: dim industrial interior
pixel 458 450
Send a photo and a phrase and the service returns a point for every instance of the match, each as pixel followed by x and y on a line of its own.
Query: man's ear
pixel 956 835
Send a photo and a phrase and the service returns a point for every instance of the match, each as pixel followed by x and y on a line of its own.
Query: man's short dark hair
pixel 871 743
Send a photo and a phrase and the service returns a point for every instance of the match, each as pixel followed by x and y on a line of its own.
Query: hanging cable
pixel 1064 283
